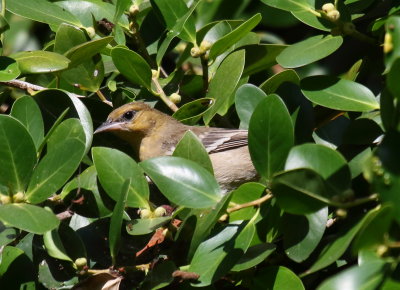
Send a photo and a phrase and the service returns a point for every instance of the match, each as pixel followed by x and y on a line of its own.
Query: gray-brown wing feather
pixel 218 140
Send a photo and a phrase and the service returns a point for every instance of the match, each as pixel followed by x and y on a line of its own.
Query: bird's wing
pixel 218 140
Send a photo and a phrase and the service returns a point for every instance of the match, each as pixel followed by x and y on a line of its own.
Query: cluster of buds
pixel 331 12
pixel 16 198
pixel 202 50
pixel 148 214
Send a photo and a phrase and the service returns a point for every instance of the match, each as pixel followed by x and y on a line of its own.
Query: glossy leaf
pixel 28 218
pixel 335 249
pixel 54 246
pixel 273 83
pixel 41 11
pixel 338 94
pixel 114 234
pixel 132 66
pixel 367 276
pixel 309 50
pixel 247 98
pixel 146 226
pixel 314 156
pixel 392 43
pixel 85 51
pixel 289 5
pixel 113 168
pixel 172 11
pixel 27 111
pixel 183 182
pixel 260 57
pixel 303 233
pixel 191 148
pixel 120 7
pixel 270 136
pixel 216 256
pixel 224 82
pixel 224 43
pixel 190 113
pixel 276 278
pixel 254 256
pixel 246 192
pixel 392 78
pixel 38 61
pixel 17 154
pixel 65 150
pixel 300 191
pixel 9 69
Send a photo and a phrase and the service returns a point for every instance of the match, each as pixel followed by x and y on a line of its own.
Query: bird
pixel 152 133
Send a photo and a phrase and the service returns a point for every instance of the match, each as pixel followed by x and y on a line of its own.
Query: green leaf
pixel 246 192
pixel 276 278
pixel 28 218
pixel 300 191
pixel 191 148
pixel 393 77
pixel 273 83
pixel 392 44
pixel 41 11
pixel 17 154
pixel 303 233
pixel 367 276
pixel 224 43
pixel 146 226
pixel 289 5
pixel 113 168
pixel 26 110
pixel 183 182
pixel 38 61
pixel 114 234
pixel 9 69
pixel 270 136
pixel 65 150
pixel 120 7
pixel 132 66
pixel 313 156
pixel 86 50
pixel 54 245
pixel 309 50
pixel 335 249
pixel 174 32
pixel 190 113
pixel 247 98
pixel 254 256
pixel 172 11
pixel 338 94
pixel 224 82
pixel 217 255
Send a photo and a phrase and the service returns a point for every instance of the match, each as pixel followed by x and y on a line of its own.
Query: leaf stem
pixel 103 98
pixel 256 202
pixel 163 96
pixel 204 66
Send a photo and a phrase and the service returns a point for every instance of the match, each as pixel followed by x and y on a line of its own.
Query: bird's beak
pixel 109 126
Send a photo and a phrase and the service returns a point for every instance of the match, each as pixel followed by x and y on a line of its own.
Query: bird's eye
pixel 129 115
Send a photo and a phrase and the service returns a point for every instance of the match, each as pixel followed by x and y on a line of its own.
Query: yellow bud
pixel 388 43
pixel 133 10
pixel 90 31
pixel 195 52
pixel 333 15
pixel 146 214
pixel 19 197
pixel 342 213
pixel 328 7
pixel 204 46
pixel 80 263
pixel 5 199
pixel 175 98
pixel 155 74
pixel 160 212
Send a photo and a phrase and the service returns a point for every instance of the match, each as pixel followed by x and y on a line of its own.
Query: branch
pixel 256 202
pixel 163 96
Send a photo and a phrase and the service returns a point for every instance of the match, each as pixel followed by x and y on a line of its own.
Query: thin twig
pixel 204 65
pixel 163 96
pixel 252 203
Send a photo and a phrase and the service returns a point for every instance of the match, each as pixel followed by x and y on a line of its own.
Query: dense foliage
pixel 315 83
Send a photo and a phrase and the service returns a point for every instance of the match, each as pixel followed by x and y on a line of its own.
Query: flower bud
pixel 5 199
pixel 133 10
pixel 205 45
pixel 388 43
pixel 80 263
pixel 195 52
pixel 146 214
pixel 328 7
pixel 155 74
pixel 160 212
pixel 90 31
pixel 333 15
pixel 18 197
pixel 175 98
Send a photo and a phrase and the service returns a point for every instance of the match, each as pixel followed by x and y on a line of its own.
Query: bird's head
pixel 136 117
